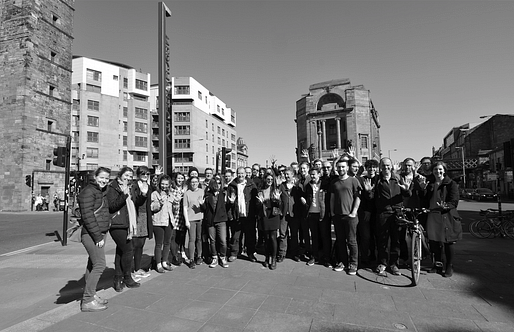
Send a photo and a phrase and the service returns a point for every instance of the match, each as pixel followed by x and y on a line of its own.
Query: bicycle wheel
pixel 508 228
pixel 484 229
pixel 415 256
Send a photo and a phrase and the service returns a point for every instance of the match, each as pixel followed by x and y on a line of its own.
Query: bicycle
pixel 409 217
pixel 493 224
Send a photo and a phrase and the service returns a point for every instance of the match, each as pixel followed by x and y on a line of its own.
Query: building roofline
pixel 114 63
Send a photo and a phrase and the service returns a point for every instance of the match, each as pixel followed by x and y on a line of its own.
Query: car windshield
pixel 484 191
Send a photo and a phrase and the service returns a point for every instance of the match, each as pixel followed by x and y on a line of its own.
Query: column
pixel 324 130
pixel 338 128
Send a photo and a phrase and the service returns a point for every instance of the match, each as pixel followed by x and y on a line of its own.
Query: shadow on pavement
pixel 73 290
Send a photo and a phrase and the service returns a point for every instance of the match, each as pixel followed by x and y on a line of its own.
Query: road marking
pixel 12 253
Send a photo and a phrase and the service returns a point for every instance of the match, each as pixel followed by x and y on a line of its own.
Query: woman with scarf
pixel 123 226
pixel 163 223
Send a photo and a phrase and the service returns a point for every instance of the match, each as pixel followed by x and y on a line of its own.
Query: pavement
pixel 42 286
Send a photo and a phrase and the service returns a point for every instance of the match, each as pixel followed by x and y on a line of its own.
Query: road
pixel 22 230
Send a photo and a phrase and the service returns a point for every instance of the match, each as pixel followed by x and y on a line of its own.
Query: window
pixel 222 111
pixel 223 142
pixel 93 105
pixel 182 130
pixel 219 130
pixel 93 75
pixel 213 127
pixel 182 143
pixel 332 129
pixel 206 147
pixel 55 19
pixel 141 127
pixel 51 90
pixel 218 108
pixel 182 89
pixel 50 125
pixel 233 137
pixel 125 82
pixel 207 124
pixel 92 137
pixel 212 138
pixel 125 96
pixel 141 141
pixel 48 162
pixel 233 147
pixel 124 140
pixel 52 56
pixel 92 121
pixel 91 166
pixel 92 152
pixel 75 120
pixel 125 155
pixel 125 111
pixel 183 157
pixel 76 104
pixel 93 88
pixel 207 159
pixel 142 98
pixel 182 117
pixel 212 148
pixel 364 141
pixel 200 95
pixel 141 113
pixel 139 156
pixel 141 85
pixel 223 132
pixel 206 135
pixel 115 77
pixel 76 136
pixel 125 125
pixel 75 152
pixel 219 140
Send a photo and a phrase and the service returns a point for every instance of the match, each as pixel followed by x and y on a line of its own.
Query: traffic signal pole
pixel 64 240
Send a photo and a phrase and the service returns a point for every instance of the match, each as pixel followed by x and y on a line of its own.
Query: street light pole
pixel 463 166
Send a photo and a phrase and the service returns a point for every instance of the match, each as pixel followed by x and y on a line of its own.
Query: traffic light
pixel 60 155
pixel 28 180
pixel 225 159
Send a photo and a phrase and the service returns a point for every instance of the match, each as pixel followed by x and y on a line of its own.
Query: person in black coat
pixel 95 224
pixel 215 217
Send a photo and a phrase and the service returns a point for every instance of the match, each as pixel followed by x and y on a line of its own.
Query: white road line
pixel 12 253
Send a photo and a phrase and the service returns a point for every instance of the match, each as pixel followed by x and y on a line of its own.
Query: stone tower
pixel 35 97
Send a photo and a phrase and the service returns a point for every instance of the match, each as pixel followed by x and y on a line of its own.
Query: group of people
pixel 281 211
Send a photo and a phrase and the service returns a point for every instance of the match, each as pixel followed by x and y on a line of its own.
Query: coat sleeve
pixel 453 195
pixel 116 199
pixel 87 208
pixel 156 204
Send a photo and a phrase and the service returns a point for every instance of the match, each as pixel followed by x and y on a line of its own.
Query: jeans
pixel 282 237
pixel 218 232
pixel 137 247
pixel 123 256
pixel 387 229
pixel 95 267
pixel 314 227
pixel 162 235
pixel 271 244
pixel 249 227
pixel 294 226
pixel 195 239
pixel 234 234
pixel 346 236
pixel 364 234
pixel 326 237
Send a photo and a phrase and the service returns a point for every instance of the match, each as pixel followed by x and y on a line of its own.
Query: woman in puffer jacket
pixel 95 224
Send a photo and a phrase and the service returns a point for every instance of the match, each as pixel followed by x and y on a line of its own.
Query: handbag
pixel 74 233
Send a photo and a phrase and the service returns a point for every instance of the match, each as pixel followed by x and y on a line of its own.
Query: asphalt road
pixel 23 230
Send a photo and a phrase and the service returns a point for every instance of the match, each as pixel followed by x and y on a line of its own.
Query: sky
pixel 429 65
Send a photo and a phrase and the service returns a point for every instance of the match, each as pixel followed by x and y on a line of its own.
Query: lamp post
pixel 463 166
pixel 389 152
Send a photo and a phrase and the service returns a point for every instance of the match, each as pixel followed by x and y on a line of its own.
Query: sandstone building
pixel 35 93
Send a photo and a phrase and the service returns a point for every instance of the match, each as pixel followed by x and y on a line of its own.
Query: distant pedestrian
pixel 96 219
pixel 268 205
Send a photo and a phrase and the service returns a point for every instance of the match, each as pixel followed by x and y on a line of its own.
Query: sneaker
pixel 100 300
pixel 142 273
pixel 92 306
pixel 224 262
pixel 352 270
pixel 395 270
pixel 339 267
pixel 199 261
pixel 167 267
pixel 214 262
pixel 136 278
pixel 381 269
pixel 252 258
pixel 280 259
pixel 328 265
pixel 232 258
pixel 311 261
pixel 192 265
pixel 159 269
pixel 296 258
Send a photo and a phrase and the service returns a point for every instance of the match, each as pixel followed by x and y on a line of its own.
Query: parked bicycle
pixel 493 224
pixel 408 217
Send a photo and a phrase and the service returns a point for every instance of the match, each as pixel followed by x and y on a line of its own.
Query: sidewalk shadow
pixel 74 289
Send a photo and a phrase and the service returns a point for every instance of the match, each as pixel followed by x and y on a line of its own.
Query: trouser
pixel 195 239
pixel 364 234
pixel 346 236
pixel 162 235
pixel 305 237
pixel 282 236
pixel 387 230
pixel 123 256
pixel 293 225
pixel 137 248
pixel 234 234
pixel 95 267
pixel 326 237
pixel 271 243
pixel 249 226
pixel 218 235
pixel 313 221
pixel 436 248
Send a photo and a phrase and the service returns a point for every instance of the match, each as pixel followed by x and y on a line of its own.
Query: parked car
pixel 481 194
pixel 466 193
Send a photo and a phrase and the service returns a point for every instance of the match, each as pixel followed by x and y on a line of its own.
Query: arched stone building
pixel 337 115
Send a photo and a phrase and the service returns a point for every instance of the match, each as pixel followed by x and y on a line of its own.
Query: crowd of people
pixel 283 212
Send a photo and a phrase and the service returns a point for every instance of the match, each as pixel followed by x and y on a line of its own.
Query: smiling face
pixel 248 172
pixel 438 172
pixel 386 166
pixel 102 179
pixel 194 182
pixel 327 168
pixel 354 168
pixel 180 180
pixel 304 170
pixel 409 166
pixel 268 180
pixel 208 174
pixel 372 171
pixel 342 167
pixel 165 185
pixel 126 178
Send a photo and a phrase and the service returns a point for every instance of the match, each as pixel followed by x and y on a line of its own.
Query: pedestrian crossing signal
pixel 60 156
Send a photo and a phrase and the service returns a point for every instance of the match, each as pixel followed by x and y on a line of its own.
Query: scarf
pixel 131 208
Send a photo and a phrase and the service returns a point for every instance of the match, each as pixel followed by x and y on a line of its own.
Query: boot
pixel 273 264
pixel 266 262
pixel 129 282
pixel 449 271
pixel 118 283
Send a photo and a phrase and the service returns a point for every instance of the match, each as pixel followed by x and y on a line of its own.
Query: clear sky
pixel 430 65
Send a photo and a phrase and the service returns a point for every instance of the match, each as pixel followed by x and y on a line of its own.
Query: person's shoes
pixel 296 258
pixel 199 261
pixel 449 271
pixel 177 261
pixel 352 270
pixel 159 269
pixel 214 262
pixel 273 264
pixel 311 261
pixel 339 267
pixel 130 283
pixel 100 300
pixel 437 268
pixel 403 262
pixel 192 265
pixel 92 306
pixel 118 283
pixel 167 267
pixel 280 259
pixel 135 277
pixel 380 269
pixel 395 270
pixel 142 273
pixel 224 262
pixel 306 256
pixel 327 264
pixel 232 258
pixel 252 258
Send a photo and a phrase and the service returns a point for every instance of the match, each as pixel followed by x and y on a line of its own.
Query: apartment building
pixel 201 125
pixel 110 118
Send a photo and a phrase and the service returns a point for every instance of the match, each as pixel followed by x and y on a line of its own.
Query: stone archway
pixel 331 99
